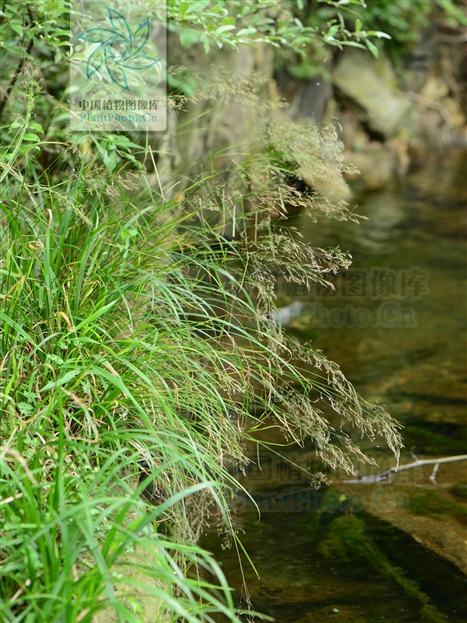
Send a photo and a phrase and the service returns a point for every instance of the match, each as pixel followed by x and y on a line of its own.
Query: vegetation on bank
pixel 137 349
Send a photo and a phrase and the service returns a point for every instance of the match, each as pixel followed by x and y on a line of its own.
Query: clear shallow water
pixel 397 328
pixel 417 371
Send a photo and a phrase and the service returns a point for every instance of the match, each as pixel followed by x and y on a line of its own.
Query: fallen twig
pixel 402 468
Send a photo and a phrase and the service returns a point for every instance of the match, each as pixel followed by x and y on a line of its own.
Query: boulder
pixel 366 86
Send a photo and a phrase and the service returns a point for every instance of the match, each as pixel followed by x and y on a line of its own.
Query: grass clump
pixel 137 356
pixel 90 389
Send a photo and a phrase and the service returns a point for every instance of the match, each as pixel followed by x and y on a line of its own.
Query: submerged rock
pixel 424 512
pixel 285 315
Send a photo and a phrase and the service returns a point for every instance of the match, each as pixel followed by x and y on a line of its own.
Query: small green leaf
pixel 110 160
pixel 16 26
pixel 27 147
pixel 61 381
pixel 51 358
pixel 244 32
pixel 189 36
pixel 36 127
pixel 379 34
pixel 25 408
pixel 31 137
pixel 184 6
pixel 97 314
pixel 332 31
pixel 353 44
pixel 373 49
pixel 225 28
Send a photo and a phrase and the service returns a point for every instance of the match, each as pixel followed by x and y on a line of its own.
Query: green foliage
pixel 38 33
pixel 402 20
pixel 368 25
pixel 215 22
pixel 42 22
pixel 83 367
pixel 33 30
pixel 301 33
pixel 405 20
pixel 69 536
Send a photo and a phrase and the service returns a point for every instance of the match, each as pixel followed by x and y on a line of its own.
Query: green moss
pixel 460 489
pixel 348 539
pixel 432 504
pixel 429 440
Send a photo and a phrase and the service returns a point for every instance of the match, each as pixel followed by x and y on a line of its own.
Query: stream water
pixel 396 326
